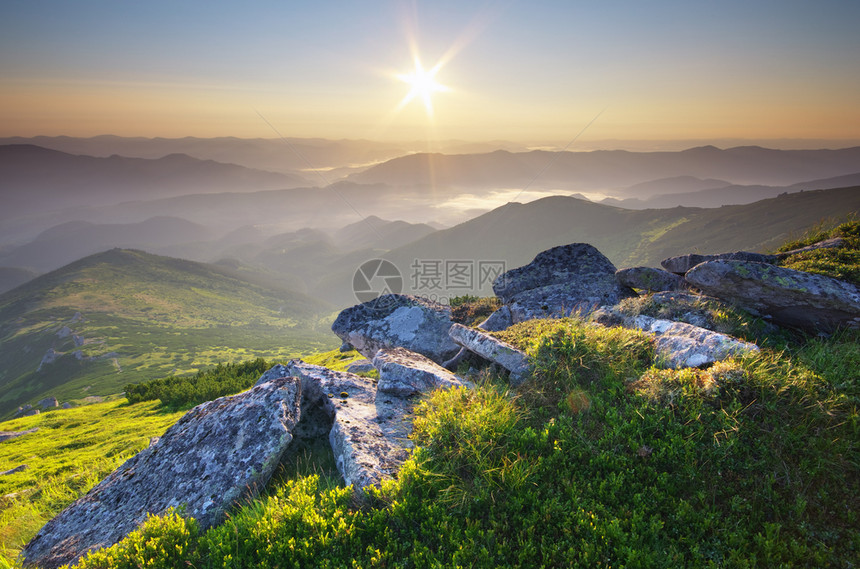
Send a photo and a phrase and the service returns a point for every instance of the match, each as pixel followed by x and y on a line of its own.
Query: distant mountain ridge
pixel 35 179
pixel 602 169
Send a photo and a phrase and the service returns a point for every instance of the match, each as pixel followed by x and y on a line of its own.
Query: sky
pixel 528 71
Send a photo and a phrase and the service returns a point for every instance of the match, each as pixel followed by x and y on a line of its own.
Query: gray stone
pixel 833 243
pixel 277 371
pixel 19 468
pixel 683 263
pixel 360 366
pixel 398 320
pixel 345 347
pixel 551 267
pixel 404 373
pixel 216 455
pixel 494 350
pixel 580 295
pixel 370 431
pixel 48 403
pixel 650 279
pixel 6 435
pixel 680 345
pixel 50 357
pixel 64 332
pixel 499 320
pixel 66 405
pixel 792 298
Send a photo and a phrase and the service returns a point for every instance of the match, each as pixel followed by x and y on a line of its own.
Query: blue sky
pixel 525 71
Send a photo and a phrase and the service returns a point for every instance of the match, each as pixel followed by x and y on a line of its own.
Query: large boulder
pixel 494 350
pixel 369 432
pixel 404 373
pixel 216 455
pixel 398 321
pixel 561 281
pixel 793 298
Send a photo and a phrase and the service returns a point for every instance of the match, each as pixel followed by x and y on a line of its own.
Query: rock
pixel 650 279
pixel 499 320
pixel 14 470
pixel 369 433
pixel 217 454
pixel 48 403
pixel 78 340
pixel 494 350
pixel 64 332
pixel 277 371
pixel 360 366
pixel 398 320
pixel 792 298
pixel 833 243
pixel 50 357
pixel 404 373
pixel 569 279
pixel 77 318
pixel 683 263
pixel 66 405
pixel 553 266
pixel 6 435
pixel 680 345
pixel 345 347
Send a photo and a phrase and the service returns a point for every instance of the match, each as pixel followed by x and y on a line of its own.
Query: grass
pixel 599 460
pixel 69 453
pixel 838 262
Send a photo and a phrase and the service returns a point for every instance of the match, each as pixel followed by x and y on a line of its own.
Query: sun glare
pixel 422 84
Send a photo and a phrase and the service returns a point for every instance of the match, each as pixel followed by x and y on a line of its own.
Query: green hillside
pixel 124 316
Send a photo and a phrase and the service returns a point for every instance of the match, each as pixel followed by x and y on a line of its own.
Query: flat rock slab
pixel 681 345
pixel 683 263
pixel 217 454
pixel 361 366
pixel 398 321
pixel 793 298
pixel 493 349
pixel 404 373
pixel 370 430
pixel 650 279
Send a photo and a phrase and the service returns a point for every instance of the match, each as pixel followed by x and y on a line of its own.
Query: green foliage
pixel 69 453
pixel 206 385
pixel 839 262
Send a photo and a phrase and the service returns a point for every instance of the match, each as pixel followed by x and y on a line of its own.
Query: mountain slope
pixel 123 316
pixel 515 233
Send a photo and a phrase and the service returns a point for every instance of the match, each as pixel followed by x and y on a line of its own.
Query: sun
pixel 422 84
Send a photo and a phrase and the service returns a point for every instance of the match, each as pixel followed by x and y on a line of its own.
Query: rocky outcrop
pixel 680 345
pixel 650 279
pixel 826 244
pixel 561 281
pixel 494 350
pixel 499 320
pixel 791 298
pixel 683 263
pixel 404 373
pixel 398 320
pixel 369 432
pixel 217 454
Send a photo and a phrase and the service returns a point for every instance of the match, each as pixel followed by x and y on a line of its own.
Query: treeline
pixel 206 385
